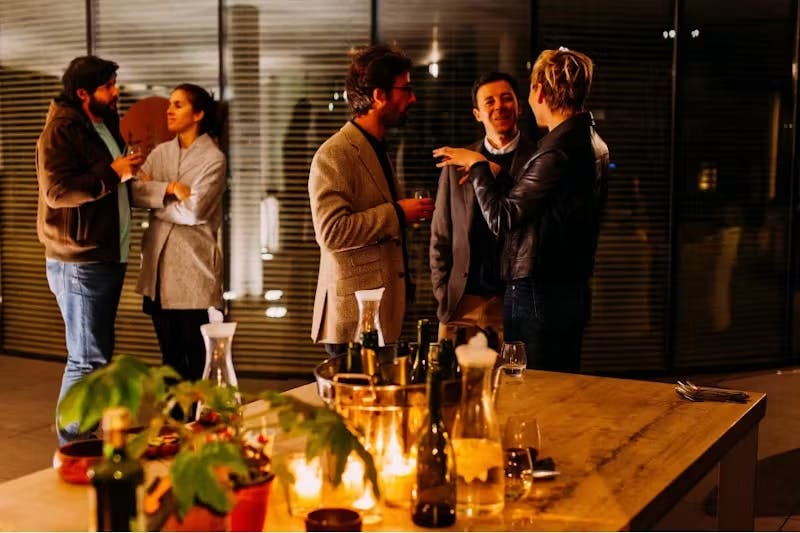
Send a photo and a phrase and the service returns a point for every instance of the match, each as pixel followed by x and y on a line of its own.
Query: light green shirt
pixel 123 203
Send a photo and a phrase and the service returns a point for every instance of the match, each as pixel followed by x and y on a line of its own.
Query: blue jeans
pixel 88 296
pixel 549 316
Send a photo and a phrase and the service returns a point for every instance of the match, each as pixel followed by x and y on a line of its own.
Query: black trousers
pixel 179 337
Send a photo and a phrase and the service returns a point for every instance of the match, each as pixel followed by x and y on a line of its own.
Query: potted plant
pixel 220 453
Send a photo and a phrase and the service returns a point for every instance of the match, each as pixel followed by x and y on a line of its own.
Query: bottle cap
pixel 116 419
pixel 476 352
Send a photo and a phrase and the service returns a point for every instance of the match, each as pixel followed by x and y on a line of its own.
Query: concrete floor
pixel 29 388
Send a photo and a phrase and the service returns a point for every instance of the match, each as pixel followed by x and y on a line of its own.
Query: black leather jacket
pixel 550 219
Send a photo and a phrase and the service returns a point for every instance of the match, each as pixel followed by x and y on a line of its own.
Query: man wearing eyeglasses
pixel 464 253
pixel 357 207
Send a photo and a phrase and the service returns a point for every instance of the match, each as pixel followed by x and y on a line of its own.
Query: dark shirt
pixel 484 258
pixel 379 146
pixel 383 158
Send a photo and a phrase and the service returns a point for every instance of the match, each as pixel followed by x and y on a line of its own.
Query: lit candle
pixel 305 493
pixel 357 491
pixel 398 476
pixel 397 473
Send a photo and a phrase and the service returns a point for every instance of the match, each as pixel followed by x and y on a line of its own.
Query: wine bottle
pixel 434 500
pixel 447 359
pixel 353 361
pixel 426 334
pixel 117 479
pixel 369 355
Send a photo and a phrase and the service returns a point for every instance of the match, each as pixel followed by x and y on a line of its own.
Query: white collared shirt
pixel 510 146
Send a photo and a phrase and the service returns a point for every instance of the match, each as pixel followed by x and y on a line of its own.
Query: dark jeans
pixel 549 317
pixel 180 340
pixel 88 297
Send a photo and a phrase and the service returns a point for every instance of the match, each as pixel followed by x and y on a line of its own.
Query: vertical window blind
pixel 157 47
pixel 733 182
pixel 285 65
pixel 451 44
pixel 37 42
pixel 630 100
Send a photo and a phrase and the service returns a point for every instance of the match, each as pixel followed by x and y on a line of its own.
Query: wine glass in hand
pixel 419 194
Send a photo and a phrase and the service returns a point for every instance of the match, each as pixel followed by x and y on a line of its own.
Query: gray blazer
pixel 452 220
pixel 359 236
pixel 180 253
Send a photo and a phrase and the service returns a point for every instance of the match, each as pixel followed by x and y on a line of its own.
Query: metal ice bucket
pixel 381 411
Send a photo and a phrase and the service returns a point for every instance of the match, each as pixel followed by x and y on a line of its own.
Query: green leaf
pixel 137 444
pixel 194 477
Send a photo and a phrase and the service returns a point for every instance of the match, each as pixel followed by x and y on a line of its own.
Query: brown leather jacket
pixel 551 216
pixel 78 216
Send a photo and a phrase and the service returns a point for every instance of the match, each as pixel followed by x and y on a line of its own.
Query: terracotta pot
pixel 74 459
pixel 199 518
pixel 250 510
pixel 248 513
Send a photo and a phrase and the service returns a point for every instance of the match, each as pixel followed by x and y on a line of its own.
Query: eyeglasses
pixel 407 88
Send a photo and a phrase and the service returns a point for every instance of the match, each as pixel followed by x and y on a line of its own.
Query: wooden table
pixel 627 452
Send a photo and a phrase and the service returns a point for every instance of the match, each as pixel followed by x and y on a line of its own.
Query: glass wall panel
pixel 631 100
pixel 156 50
pixel 37 42
pixel 451 42
pixel 735 98
pixel 285 65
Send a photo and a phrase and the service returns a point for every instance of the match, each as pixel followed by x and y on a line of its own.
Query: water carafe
pixel 218 339
pixel 476 435
pixel 369 313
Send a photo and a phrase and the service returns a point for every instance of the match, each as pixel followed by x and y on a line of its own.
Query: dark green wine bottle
pixel 369 355
pixel 447 359
pixel 434 501
pixel 353 361
pixel 117 479
pixel 426 334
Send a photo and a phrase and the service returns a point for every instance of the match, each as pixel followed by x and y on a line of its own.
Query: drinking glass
pixel 419 194
pixel 521 441
pixel 132 149
pixel 513 358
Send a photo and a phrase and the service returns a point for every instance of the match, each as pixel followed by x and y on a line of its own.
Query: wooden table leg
pixel 737 485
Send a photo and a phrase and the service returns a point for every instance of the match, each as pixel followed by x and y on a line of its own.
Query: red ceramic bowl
pixel 74 459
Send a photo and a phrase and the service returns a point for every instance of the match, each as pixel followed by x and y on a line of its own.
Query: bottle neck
pixel 434 390
pixel 114 442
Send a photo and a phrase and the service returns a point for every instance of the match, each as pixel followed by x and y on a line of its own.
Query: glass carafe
pixel 476 436
pixel 369 313
pixel 218 338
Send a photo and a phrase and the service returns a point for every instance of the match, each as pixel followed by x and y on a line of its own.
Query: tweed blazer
pixel 450 228
pixel 180 255
pixel 359 234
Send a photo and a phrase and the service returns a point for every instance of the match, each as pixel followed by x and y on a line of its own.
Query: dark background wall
pixel 697 100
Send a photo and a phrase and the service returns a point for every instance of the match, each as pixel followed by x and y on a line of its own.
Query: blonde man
pixel 549 219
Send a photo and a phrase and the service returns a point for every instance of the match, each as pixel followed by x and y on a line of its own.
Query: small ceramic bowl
pixel 73 460
pixel 333 519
